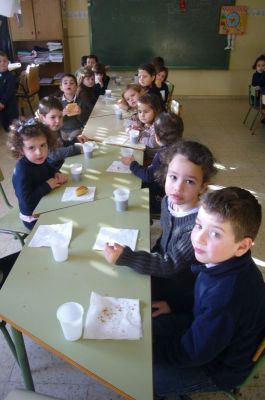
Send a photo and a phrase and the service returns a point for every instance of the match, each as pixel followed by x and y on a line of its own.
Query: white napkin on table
pixel 118 166
pixel 125 237
pixel 69 194
pixel 115 140
pixel 45 235
pixel 113 318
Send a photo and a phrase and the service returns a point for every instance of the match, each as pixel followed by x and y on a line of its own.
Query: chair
pixel 20 394
pixel 28 88
pixel 259 360
pixel 10 223
pixel 170 93
pixel 254 105
pixel 175 107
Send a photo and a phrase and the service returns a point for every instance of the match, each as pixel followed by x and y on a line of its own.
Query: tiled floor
pixel 216 123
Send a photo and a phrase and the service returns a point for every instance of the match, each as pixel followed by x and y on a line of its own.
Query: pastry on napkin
pixel 113 318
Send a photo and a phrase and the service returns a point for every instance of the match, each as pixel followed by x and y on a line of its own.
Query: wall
pixel 232 82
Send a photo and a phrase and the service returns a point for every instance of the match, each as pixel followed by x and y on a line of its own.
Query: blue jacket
pixel 228 322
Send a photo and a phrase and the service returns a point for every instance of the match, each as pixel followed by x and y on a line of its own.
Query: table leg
pixel 23 359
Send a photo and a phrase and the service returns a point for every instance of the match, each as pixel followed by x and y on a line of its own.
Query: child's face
pixel 89 81
pixel 68 86
pixel 131 97
pixel 260 67
pixel 3 63
pixel 145 113
pixel 145 79
pixel 54 119
pixel 184 183
pixel 90 62
pixel 214 240
pixel 161 76
pixel 35 149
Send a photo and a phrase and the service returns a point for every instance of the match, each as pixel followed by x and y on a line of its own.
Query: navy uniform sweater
pixel 228 323
pixel 29 181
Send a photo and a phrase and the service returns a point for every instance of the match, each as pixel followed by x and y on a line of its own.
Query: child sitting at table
pixel 187 169
pixel 130 97
pixel 88 88
pixel 148 107
pixel 147 76
pixel 33 177
pixel 50 113
pixel 168 130
pixel 258 78
pixel 161 77
pixel 8 104
pixel 75 111
pixel 212 348
pixel 101 77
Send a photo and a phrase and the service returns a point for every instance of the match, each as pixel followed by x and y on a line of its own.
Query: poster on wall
pixel 233 20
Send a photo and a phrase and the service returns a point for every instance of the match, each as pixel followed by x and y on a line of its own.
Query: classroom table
pixel 104 106
pixel 101 128
pixel 94 175
pixel 37 285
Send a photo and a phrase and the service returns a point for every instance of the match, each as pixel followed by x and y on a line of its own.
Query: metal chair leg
pixel 246 117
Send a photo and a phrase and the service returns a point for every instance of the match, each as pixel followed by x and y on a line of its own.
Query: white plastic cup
pixel 136 79
pixel 76 172
pixel 121 197
pixel 118 111
pixel 70 316
pixel 163 94
pixel 59 251
pixel 134 136
pixel 126 152
pixel 118 81
pixel 88 149
pixel 108 93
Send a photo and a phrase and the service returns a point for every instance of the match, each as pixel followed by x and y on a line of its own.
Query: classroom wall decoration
pixel 125 34
pixel 233 20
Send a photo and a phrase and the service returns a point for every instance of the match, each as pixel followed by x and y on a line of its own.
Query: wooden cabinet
pixel 40 20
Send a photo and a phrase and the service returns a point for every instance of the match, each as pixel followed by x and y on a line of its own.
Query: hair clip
pixel 28 123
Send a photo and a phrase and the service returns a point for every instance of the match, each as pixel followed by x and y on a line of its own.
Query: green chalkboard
pixel 126 33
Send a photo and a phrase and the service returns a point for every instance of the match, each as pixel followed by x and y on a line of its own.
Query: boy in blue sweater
pixel 212 349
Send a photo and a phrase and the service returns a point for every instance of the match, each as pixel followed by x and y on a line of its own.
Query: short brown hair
pixel 49 103
pixel 238 206
pixel 195 152
pixel 168 127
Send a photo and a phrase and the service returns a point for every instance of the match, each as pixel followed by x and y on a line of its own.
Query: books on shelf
pixel 42 55
pixel 46 80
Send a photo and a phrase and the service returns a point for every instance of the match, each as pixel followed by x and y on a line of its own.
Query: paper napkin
pixel 113 318
pixel 115 140
pixel 125 237
pixel 118 166
pixel 45 235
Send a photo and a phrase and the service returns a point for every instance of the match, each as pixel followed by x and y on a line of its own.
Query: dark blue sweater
pixel 228 322
pixel 29 181
pixel 258 79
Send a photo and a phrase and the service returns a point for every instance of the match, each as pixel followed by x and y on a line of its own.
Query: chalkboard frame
pixel 210 51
